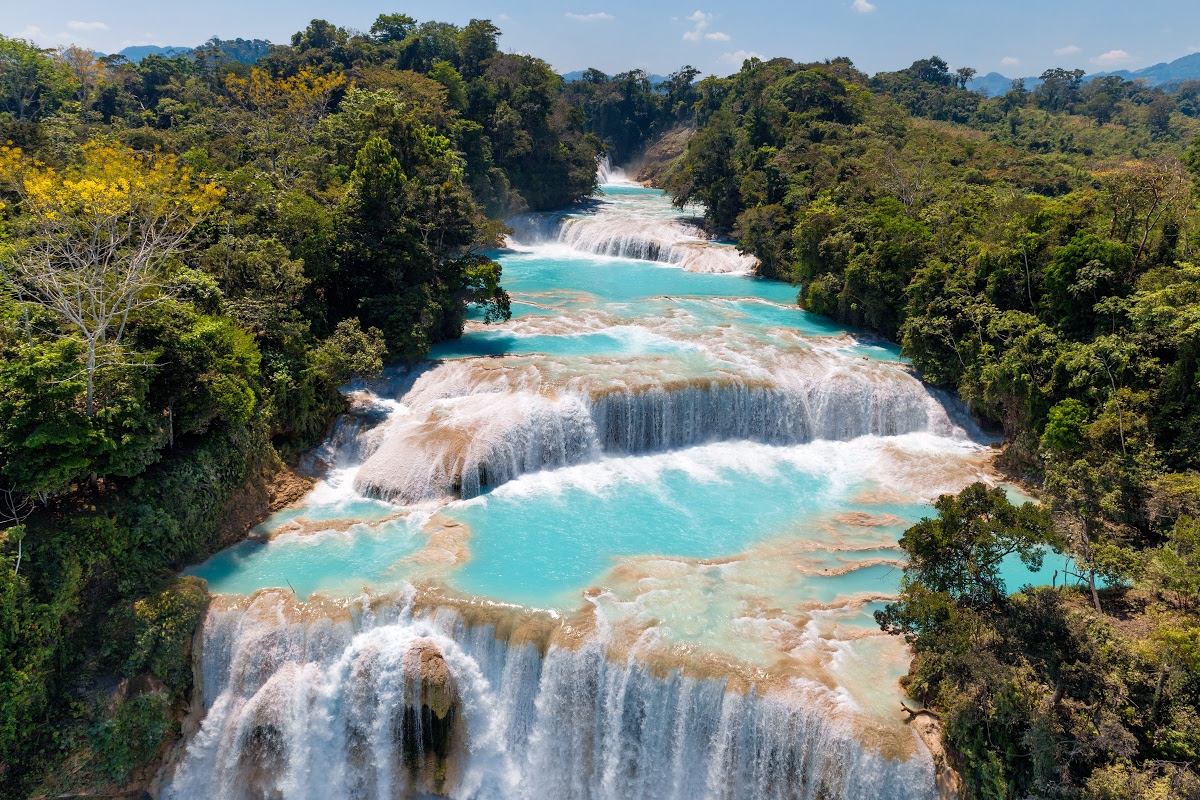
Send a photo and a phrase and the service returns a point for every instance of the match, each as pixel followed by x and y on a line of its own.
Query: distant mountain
pixel 140 51
pixel 1177 71
pixel 248 51
pixel 994 84
pixel 577 75
pixel 1181 69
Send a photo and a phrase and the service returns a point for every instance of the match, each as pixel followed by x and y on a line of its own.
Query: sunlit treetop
pixel 109 180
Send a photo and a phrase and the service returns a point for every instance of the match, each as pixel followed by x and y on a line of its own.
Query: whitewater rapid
pixel 469 425
pixel 626 545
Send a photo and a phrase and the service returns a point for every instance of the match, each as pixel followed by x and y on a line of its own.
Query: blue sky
pixel 1018 37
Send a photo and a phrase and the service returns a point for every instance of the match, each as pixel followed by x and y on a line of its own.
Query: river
pixel 625 545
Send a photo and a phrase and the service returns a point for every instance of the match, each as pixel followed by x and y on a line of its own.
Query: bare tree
pixel 86 69
pixel 1141 196
pixel 905 178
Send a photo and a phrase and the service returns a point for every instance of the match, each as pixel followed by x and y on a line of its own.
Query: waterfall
pixel 609 175
pixel 308 702
pixel 664 239
pixel 353 436
pixel 746 665
pixel 465 426
pixel 630 228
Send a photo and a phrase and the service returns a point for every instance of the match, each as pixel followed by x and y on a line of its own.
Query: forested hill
pixel 194 253
pixel 1036 253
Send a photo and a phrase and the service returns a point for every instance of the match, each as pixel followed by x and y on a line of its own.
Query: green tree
pixel 392 27
pixel 32 83
pixel 961 553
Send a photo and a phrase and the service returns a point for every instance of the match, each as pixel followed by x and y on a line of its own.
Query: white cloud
pixel 736 58
pixel 863 6
pixel 1069 50
pixel 1113 58
pixel 1009 61
pixel 598 16
pixel 701 22
pixel 76 25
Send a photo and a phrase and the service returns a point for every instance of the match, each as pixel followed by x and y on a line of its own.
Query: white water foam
pixel 607 174
pixel 660 239
pixel 466 425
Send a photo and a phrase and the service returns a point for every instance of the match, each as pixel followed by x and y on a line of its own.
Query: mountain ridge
pixel 1165 72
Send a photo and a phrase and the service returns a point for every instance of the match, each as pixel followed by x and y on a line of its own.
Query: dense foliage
pixel 194 253
pixel 1033 252
pixel 628 112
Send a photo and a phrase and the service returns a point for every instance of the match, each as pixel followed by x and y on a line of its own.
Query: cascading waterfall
pixel 711 632
pixel 463 428
pixel 384 703
pixel 354 435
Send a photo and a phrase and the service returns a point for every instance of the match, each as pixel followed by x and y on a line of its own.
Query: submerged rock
pixel 437 684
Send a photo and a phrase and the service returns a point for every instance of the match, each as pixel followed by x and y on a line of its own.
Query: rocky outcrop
pixel 656 161
pixel 270 488
pixel 431 730
pixel 929 727
pixel 174 752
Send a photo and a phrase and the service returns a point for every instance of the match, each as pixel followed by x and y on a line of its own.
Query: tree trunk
pixel 1120 415
pixel 1162 674
pixel 1028 278
pixel 1091 574
pixel 91 371
pixel 1095 594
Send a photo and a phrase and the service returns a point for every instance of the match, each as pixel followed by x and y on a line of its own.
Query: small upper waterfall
pixel 669 241
pixel 626 226
pixel 608 174
pixel 383 702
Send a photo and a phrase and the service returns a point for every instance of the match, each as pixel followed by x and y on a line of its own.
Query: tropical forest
pixel 384 414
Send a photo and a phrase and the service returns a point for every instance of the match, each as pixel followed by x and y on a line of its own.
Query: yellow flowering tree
pixel 92 239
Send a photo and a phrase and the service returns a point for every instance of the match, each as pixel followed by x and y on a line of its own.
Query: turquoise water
pixel 557 283
pixel 330 561
pixel 613 342
pixel 700 542
pixel 583 281
pixel 683 306
pixel 544 539
pixel 548 539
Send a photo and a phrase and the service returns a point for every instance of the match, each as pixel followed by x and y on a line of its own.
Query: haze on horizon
pixel 1021 37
